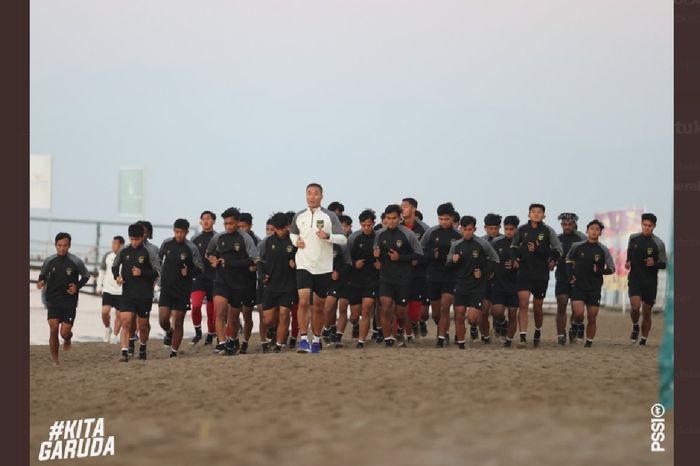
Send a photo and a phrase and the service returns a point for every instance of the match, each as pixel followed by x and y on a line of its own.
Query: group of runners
pixel 312 275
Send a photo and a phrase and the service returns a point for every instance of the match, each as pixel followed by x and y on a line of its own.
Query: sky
pixel 490 105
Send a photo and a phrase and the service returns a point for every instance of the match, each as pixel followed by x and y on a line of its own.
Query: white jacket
pixel 105 280
pixel 317 255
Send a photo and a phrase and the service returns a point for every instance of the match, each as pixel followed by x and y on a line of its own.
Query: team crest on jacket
pixel 69 271
pixel 399 243
pixel 237 246
pixel 183 256
pixel 272 247
pixel 650 251
pixel 141 259
pixel 596 257
pixel 290 248
pixel 320 223
pixel 540 237
pixel 475 253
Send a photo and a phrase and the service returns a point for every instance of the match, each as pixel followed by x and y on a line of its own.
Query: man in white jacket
pixel 110 291
pixel 314 231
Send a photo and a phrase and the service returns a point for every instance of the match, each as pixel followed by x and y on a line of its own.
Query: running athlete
pixel 314 231
pixel 492 226
pixel 137 269
pixel 586 263
pixel 363 277
pixel 181 262
pixel 419 299
pixel 436 243
pixel 646 255
pixel 252 297
pixel 233 253
pixel 504 294
pixel 337 208
pixel 109 290
pixel 346 223
pixel 59 274
pixel 276 268
pixel 397 248
pixel 538 249
pixel 474 260
pixel 568 236
pixel 203 284
pixel 337 291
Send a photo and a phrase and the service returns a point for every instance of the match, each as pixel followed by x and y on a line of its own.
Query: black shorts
pixel 419 290
pixel 538 288
pixel 200 284
pixel 64 314
pixel 174 302
pixel 590 298
pixel 399 293
pixel 235 297
pixel 562 288
pixel 272 299
pixel 646 292
pixel 505 298
pixel 473 299
pixel 141 307
pixel 437 289
pixel 355 295
pixel 111 300
pixel 250 296
pixel 319 284
pixel 338 289
pixel 488 292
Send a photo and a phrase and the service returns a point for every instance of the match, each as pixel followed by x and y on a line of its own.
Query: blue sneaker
pixel 315 347
pixel 303 347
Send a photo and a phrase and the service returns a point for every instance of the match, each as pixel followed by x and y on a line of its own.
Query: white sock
pixel 316 339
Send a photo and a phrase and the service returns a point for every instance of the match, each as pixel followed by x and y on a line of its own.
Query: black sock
pixel 198 331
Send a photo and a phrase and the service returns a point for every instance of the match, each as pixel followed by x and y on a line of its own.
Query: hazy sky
pixel 490 105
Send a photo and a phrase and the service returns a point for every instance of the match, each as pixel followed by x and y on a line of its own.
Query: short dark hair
pixel 411 201
pixel 291 214
pixel 446 209
pixel 595 221
pixel 383 215
pixel 279 220
pixel 181 224
pixel 492 220
pixel 315 185
pixel 367 214
pixel 345 219
pixel 335 205
pixel 136 230
pixel 511 220
pixel 208 212
pixel 119 238
pixel 650 217
pixel 63 235
pixel 246 217
pixel 269 221
pixel 455 216
pixel 147 227
pixel 535 205
pixel 419 214
pixel 393 209
pixel 231 212
pixel 467 220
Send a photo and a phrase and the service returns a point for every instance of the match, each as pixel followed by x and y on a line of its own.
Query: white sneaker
pixel 108 335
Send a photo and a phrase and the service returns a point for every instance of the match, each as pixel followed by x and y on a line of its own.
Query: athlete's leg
pixel 54 325
pixel 460 327
pixel 646 319
pixel 178 330
pixel 592 315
